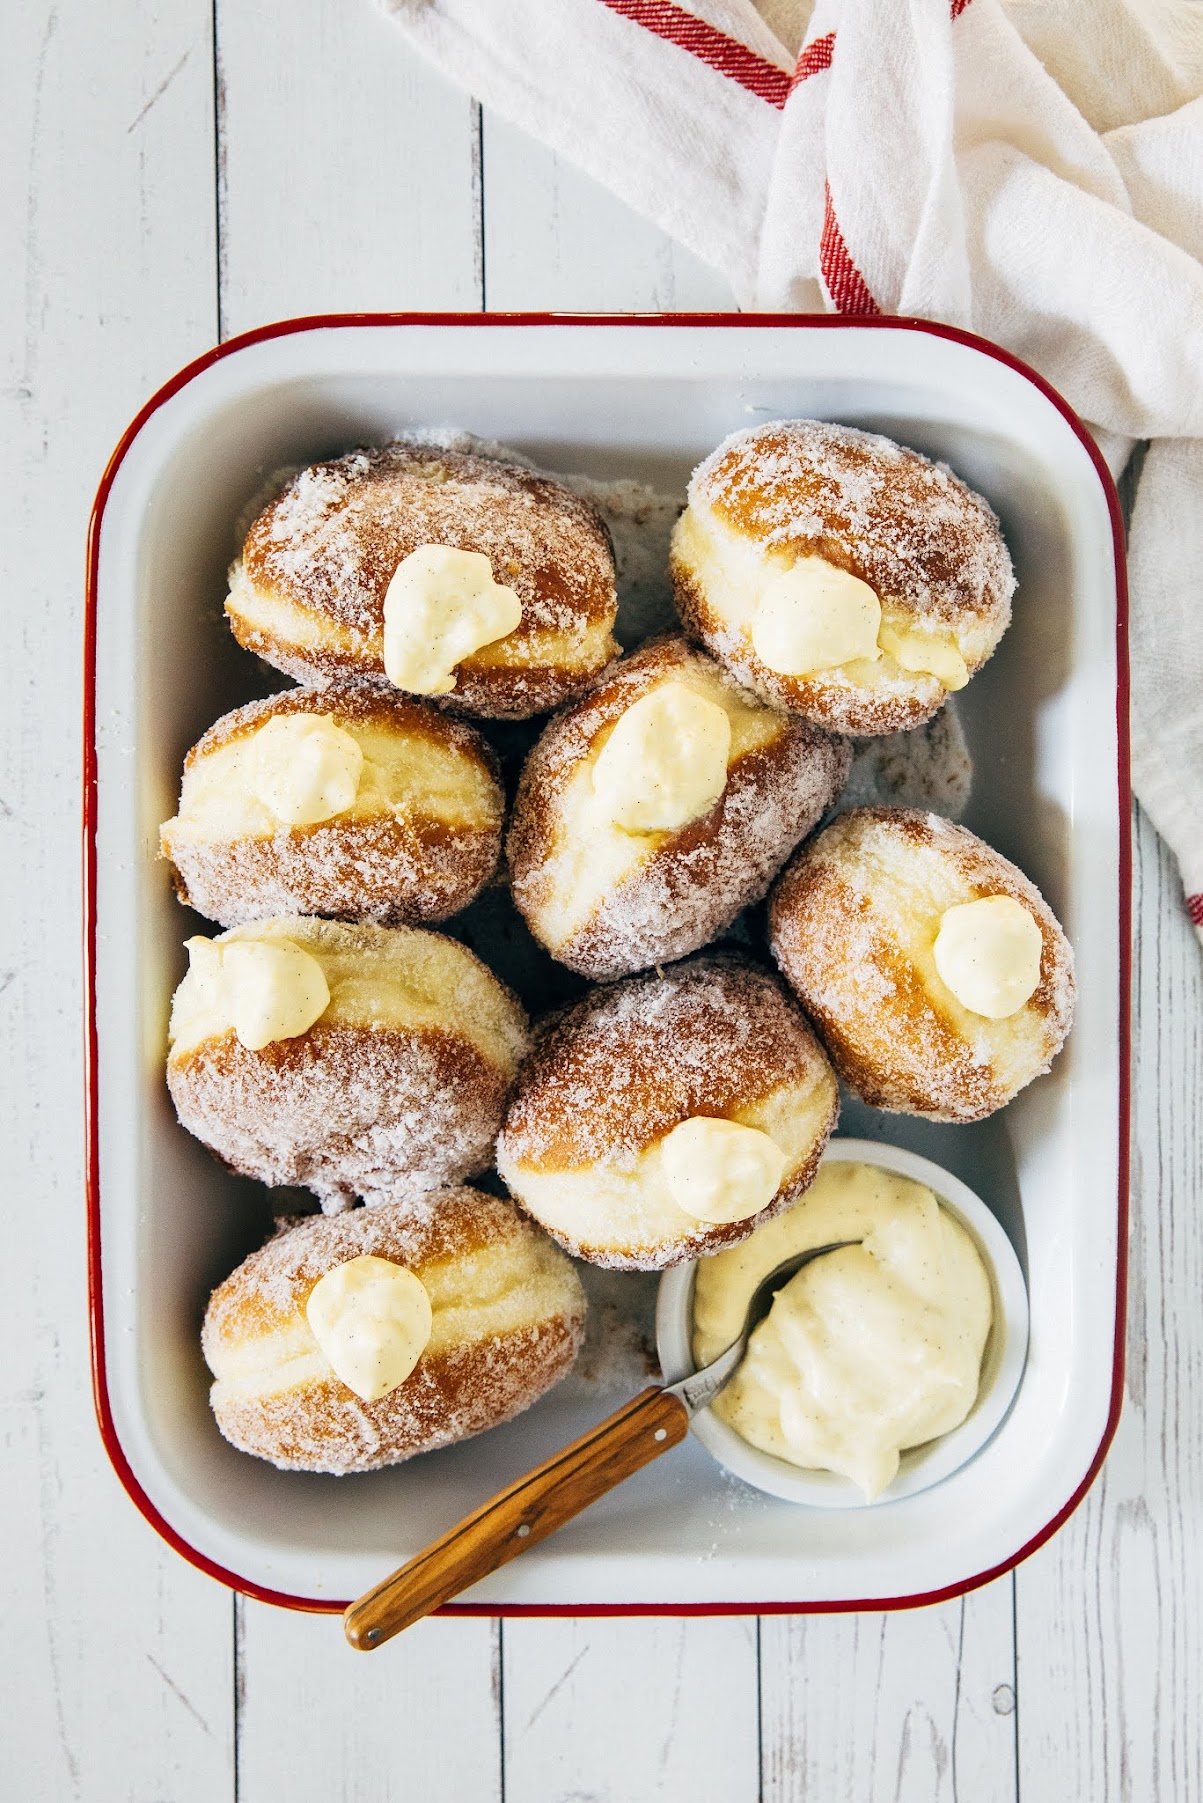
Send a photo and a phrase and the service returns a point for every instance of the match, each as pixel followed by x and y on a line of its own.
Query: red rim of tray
pixel 745 321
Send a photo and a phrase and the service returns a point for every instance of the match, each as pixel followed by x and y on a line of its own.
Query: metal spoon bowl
pixel 699 1389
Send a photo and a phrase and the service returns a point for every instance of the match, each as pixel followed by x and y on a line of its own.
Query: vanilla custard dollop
pixel 865 1351
pixel 815 616
pixel 372 1319
pixel 720 1170
pixel 665 762
pixel 263 990
pixel 304 768
pixel 927 651
pixel 988 953
pixel 440 606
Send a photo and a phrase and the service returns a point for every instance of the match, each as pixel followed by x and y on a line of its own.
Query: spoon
pixel 534 1506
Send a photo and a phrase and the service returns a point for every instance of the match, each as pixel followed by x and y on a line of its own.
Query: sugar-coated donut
pixel 839 574
pixel 352 1060
pixel 309 591
pixel 667 1089
pixel 864 923
pixel 351 801
pixel 506 1314
pixel 608 896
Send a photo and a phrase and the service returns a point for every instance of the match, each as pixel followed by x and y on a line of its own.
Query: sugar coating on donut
pixel 607 902
pixel 852 924
pixel 610 1078
pixel 507 1319
pixel 930 767
pixel 930 548
pixel 308 592
pixel 418 843
pixel 399 1086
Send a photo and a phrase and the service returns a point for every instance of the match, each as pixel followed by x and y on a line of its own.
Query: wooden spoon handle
pixel 529 1510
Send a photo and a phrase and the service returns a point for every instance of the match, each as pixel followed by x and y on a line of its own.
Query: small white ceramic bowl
pixel 920 1467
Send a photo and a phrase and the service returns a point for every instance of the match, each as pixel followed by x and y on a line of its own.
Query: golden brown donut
pixel 605 900
pixel 308 593
pixel 854 924
pixel 801 499
pixel 507 1318
pixel 417 838
pixel 395 1086
pixel 585 1143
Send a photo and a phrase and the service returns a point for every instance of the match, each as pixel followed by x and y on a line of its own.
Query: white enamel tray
pixel 1047 727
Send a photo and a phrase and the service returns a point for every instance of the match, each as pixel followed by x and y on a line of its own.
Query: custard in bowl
pixel 882 1366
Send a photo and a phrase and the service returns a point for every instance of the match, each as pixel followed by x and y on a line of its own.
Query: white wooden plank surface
pixel 318 1723
pixel 554 239
pixel 116 1657
pixel 348 168
pixel 631 1710
pixel 1109 1613
pixel 915 1706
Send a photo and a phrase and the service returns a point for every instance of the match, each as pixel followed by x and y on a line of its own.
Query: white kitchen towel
pixel 1032 171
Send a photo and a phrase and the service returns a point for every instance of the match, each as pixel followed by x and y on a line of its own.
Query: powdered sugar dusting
pixel 385 870
pixel 631 1060
pixel 904 524
pixel 345 1111
pixel 851 925
pixel 445 1223
pixel 332 540
pixel 690 889
pixel 394 866
pixel 372 701
pixel 929 767
pixel 457 1389
pixel 619 1352
pixel 638 518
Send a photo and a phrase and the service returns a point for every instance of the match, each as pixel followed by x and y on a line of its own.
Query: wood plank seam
pixel 499 1693
pixel 220 174
pixel 478 202
pixel 759 1720
pixel 238 1625
pixel 1015 1679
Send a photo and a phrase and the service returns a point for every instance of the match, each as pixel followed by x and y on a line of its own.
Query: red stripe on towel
pixel 814 58
pixel 1194 907
pixel 846 286
pixel 726 55
pixel 709 45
